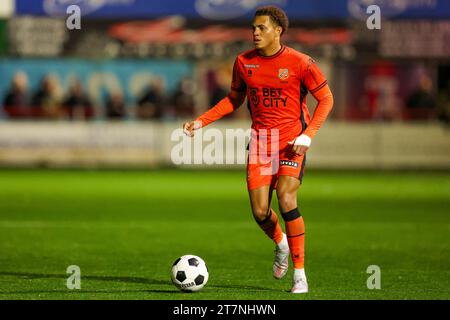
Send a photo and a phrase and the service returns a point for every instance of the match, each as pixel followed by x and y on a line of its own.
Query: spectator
pixel 381 92
pixel 151 104
pixel 444 104
pixel 183 99
pixel 45 102
pixel 421 104
pixel 115 106
pixel 218 87
pixel 15 103
pixel 77 105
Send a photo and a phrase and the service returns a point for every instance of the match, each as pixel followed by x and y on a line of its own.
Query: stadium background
pixel 377 185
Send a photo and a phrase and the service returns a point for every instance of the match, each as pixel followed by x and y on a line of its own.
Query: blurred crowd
pixel 155 103
pixel 49 102
pixel 382 102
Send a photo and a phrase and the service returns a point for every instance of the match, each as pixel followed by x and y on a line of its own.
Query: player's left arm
pixel 317 85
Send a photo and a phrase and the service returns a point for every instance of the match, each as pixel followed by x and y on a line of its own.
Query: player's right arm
pixel 224 107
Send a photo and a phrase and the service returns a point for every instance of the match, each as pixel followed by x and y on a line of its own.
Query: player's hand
pixel 300 144
pixel 190 127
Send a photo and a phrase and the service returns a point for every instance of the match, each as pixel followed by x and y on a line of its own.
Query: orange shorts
pixel 261 172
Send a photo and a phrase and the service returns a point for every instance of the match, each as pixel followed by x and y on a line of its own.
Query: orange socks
pixel 271 227
pixel 295 231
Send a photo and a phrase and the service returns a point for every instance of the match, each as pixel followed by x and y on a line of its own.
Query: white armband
pixel 302 140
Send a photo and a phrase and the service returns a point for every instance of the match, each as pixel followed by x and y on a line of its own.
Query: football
pixel 189 273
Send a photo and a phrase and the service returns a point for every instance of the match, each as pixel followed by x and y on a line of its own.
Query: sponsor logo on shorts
pixel 289 163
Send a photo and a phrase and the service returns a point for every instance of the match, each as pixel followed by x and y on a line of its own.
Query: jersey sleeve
pixel 317 85
pixel 313 78
pixel 237 84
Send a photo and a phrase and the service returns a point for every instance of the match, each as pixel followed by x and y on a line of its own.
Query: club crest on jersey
pixel 283 74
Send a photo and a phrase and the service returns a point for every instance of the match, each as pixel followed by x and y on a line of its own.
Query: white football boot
pixel 299 284
pixel 281 262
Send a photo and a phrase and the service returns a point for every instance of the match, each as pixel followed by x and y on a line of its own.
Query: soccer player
pixel 276 79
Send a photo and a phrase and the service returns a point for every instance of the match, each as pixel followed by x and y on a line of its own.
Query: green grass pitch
pixel 125 228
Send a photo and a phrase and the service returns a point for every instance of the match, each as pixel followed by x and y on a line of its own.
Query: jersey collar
pixel 279 52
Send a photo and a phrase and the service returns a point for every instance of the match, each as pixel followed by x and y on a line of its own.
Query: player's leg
pixel 287 188
pixel 267 219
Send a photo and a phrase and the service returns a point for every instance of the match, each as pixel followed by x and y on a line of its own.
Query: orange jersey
pixel 276 88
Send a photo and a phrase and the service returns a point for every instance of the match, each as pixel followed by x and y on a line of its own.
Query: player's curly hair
pixel 277 15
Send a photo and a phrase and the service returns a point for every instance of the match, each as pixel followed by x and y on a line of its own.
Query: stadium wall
pixel 339 145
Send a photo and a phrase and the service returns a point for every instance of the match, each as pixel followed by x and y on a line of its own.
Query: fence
pixel 338 145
